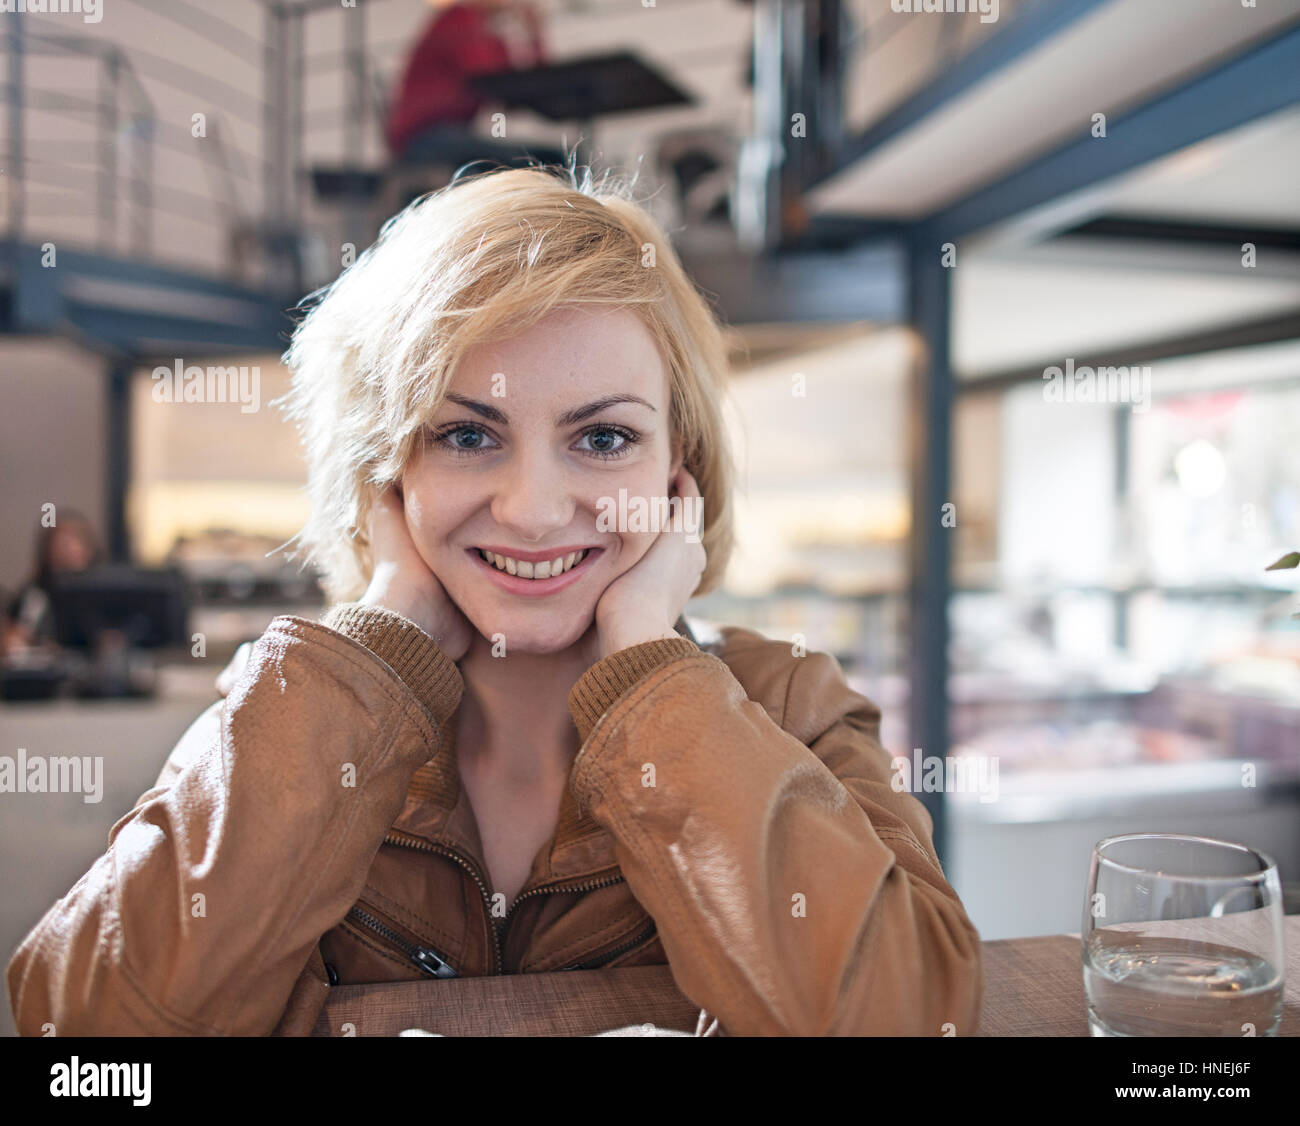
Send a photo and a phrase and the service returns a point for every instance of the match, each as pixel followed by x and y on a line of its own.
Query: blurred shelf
pixel 1209 590
pixel 1027 796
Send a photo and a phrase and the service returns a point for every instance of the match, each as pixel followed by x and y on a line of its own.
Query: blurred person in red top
pixel 464 37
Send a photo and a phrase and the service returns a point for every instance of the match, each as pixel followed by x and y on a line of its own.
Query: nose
pixel 534 498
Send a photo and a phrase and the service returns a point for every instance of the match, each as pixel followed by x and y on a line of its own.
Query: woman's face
pixel 70 548
pixel 518 459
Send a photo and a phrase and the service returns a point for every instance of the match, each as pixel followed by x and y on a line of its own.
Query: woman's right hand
pixel 402 581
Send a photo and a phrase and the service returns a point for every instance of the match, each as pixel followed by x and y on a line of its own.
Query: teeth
pixel 544 570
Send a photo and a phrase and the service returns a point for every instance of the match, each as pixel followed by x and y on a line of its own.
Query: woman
pixel 463 38
pixel 463 770
pixel 64 547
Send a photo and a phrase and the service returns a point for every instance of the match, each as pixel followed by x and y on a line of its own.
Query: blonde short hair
pixel 486 256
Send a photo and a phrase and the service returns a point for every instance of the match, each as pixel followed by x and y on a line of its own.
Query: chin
pixel 542 639
pixel 541 646
pixel 553 632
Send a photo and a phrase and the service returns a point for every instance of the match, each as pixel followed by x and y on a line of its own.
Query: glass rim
pixel 1270 865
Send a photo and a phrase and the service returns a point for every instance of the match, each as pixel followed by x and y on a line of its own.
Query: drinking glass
pixel 1182 936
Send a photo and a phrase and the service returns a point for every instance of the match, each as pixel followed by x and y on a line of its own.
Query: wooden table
pixel 1032 987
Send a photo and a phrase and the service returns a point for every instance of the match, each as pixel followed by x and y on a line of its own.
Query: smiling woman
pixel 504 750
pixel 584 410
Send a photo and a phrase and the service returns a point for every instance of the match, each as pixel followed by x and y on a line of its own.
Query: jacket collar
pixel 437 810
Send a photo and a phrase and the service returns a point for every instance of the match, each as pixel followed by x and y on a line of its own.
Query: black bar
pixel 117 444
pixel 1211 234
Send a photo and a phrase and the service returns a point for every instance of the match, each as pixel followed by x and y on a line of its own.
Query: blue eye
pixel 444 438
pixel 629 439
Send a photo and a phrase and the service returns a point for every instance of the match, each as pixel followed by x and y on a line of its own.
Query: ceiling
pixel 1016 298
pixel 1119 56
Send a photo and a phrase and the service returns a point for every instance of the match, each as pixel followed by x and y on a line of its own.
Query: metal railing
pixel 104 167
pixel 260 199
pixel 122 174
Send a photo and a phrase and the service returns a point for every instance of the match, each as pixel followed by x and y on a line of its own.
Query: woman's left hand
pixel 644 603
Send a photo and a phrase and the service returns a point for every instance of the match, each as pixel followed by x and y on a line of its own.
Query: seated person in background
pixel 69 545
pixel 464 38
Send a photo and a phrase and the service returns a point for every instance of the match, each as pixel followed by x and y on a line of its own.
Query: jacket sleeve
pixel 216 887
pixel 795 891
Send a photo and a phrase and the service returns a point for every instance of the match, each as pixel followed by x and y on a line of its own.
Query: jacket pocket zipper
pixel 403 840
pixel 428 959
pixel 618 951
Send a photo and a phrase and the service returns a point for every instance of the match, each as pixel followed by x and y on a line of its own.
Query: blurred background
pixel 904 218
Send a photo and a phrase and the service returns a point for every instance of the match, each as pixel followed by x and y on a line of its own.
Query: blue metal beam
pixel 117 462
pixel 930 541
pixel 861 282
pixel 1253 84
pixel 135 307
pixel 1029 29
pixel 150 336
pixel 137 272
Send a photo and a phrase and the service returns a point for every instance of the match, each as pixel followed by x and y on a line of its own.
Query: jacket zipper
pixel 618 951
pixel 428 959
pixel 402 840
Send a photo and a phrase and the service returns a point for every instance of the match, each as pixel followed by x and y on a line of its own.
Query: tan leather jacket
pixel 729 813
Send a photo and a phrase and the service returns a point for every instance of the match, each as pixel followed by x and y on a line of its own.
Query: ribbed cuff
pixel 601 685
pixel 410 652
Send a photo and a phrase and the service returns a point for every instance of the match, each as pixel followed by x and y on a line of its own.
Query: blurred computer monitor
pixel 149 606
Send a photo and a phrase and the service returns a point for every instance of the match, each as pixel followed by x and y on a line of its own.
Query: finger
pixel 688 490
pixel 386 516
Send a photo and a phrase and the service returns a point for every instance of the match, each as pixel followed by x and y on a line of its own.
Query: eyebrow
pixel 568 418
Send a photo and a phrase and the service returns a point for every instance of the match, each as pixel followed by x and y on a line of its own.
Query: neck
pixel 514 714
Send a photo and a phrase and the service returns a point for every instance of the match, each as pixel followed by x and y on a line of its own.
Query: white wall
pixel 1058 491
pixel 52 421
